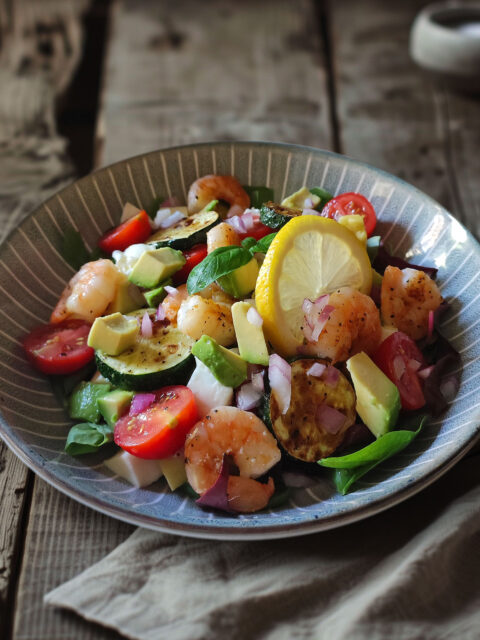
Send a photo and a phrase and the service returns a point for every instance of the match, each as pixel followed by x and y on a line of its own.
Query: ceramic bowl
pixel 33 274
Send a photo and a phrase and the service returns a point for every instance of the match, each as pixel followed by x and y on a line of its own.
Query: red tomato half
pixel 259 230
pixel 133 231
pixel 399 358
pixel 160 430
pixel 59 348
pixel 193 257
pixel 349 204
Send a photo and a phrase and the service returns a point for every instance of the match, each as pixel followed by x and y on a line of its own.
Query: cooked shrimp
pixel 172 302
pixel 222 235
pixel 240 434
pixel 217 294
pixel 213 187
pixel 89 292
pixel 407 297
pixel 353 326
pixel 197 316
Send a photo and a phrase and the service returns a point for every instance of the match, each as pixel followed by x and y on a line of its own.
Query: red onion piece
pixel 310 212
pixel 316 316
pixel 316 370
pixel 160 315
pixel 235 210
pixel 146 328
pixel 308 203
pixel 217 497
pixel 331 376
pixel 140 402
pixel 329 418
pixel 257 381
pixel 424 373
pixel 237 223
pixel 173 201
pixel 171 290
pixel 399 366
pixel 247 219
pixel 248 397
pixel 254 368
pixel 254 317
pixel 280 379
pixel 322 300
pixel 172 220
pixel 321 321
pixel 431 319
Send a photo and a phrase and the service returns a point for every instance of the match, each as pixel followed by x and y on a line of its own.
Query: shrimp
pixel 172 302
pixel 243 436
pixel 352 326
pixel 217 294
pixel 222 235
pixel 89 292
pixel 197 316
pixel 407 297
pixel 213 187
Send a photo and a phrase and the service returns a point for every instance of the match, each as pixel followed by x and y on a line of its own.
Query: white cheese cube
pixel 208 391
pixel 136 471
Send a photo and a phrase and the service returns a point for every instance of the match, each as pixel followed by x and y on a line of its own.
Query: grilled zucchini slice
pixel 276 216
pixel 186 233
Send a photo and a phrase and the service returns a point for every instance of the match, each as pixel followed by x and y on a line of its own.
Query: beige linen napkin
pixel 410 573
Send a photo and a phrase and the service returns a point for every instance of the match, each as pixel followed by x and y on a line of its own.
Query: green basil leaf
pixel 373 244
pixel 248 242
pixel 87 437
pixel 344 478
pixel 262 245
pixel 154 206
pixel 324 196
pixel 73 249
pixel 218 263
pixel 259 195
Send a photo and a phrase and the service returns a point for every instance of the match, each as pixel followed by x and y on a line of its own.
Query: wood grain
pixel 213 71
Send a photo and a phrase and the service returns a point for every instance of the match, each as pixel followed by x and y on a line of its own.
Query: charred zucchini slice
pixel 300 431
pixel 276 216
pixel 186 233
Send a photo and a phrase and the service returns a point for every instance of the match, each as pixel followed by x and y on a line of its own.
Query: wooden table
pixel 335 75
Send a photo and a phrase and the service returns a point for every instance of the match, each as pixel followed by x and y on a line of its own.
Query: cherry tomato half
pixel 133 231
pixel 399 358
pixel 193 257
pixel 59 348
pixel 160 430
pixel 348 204
pixel 258 231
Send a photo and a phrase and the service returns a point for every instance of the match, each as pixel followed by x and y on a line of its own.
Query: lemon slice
pixel 309 256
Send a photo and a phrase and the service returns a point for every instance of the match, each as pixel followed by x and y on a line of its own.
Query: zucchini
pixel 150 363
pixel 298 431
pixel 276 216
pixel 186 233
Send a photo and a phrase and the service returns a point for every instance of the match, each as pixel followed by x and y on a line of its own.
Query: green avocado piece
pixel 240 282
pixel 155 296
pixel 113 334
pixel 127 298
pixel 114 404
pixel 378 399
pixel 156 265
pixel 83 403
pixel 297 200
pixel 250 338
pixel 227 367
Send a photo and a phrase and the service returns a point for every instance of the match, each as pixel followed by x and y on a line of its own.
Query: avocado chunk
pixel 155 296
pixel 114 405
pixel 356 225
pixel 83 403
pixel 174 470
pixel 227 367
pixel 250 338
pixel 128 298
pixel 113 334
pixel 240 282
pixel 378 399
pixel 297 200
pixel 156 265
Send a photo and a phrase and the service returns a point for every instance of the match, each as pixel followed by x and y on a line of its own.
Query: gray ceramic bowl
pixel 445 41
pixel 33 274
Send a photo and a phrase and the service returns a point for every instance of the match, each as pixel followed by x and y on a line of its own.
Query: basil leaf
pixel 259 195
pixel 351 467
pixel 248 242
pixel 87 437
pixel 219 263
pixel 262 245
pixel 154 206
pixel 73 249
pixel 323 194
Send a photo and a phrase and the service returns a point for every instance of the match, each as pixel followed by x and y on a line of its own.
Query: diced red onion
pixel 308 203
pixel 431 319
pixel 255 213
pixel 254 317
pixel 329 418
pixel 425 373
pixel 316 316
pixel 254 368
pixel 140 402
pixel 399 366
pixel 146 328
pixel 280 379
pixel 160 315
pixel 237 223
pixel 322 300
pixel 310 212
pixel 321 321
pixel 331 376
pixel 173 201
pixel 171 290
pixel 217 496
pixel 248 397
pixel 449 387
pixel 257 381
pixel 172 220
pixel 316 370
pixel 247 220
pixel 235 210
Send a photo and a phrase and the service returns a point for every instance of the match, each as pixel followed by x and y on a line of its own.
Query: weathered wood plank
pixel 180 72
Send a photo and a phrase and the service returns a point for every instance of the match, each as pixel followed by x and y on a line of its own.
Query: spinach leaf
pixel 323 194
pixel 258 246
pixel 351 467
pixel 87 437
pixel 218 263
pixel 259 195
pixel 73 249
